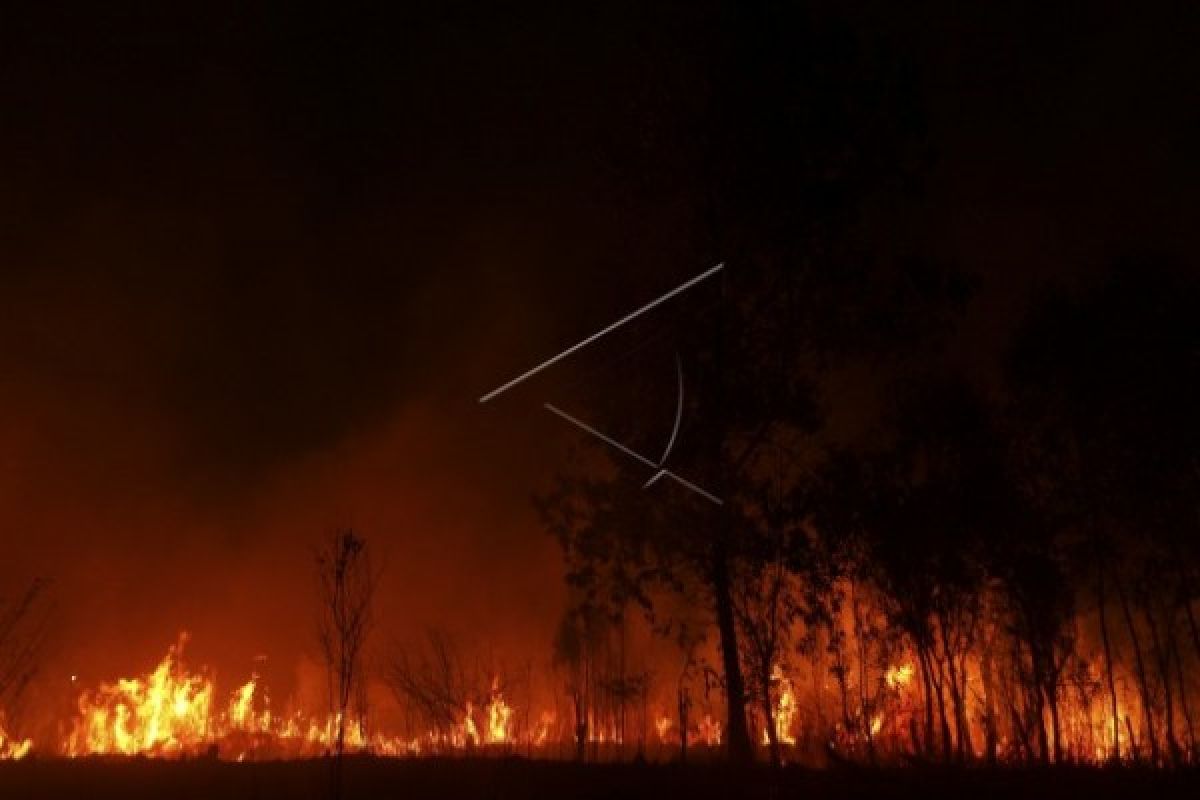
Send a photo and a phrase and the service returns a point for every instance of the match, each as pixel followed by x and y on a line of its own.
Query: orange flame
pixel 545 728
pixel 499 728
pixel 166 712
pixel 171 712
pixel 784 711
pixel 898 677
pixel 710 731
pixel 13 749
pixel 663 725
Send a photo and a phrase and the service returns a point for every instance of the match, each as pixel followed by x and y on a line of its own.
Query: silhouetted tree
pixel 346 592
pixel 1106 381
pixel 922 502
pixel 435 681
pixel 769 142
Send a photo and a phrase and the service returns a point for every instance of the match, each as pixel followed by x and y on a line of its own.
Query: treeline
pixel 988 561
pixel 928 548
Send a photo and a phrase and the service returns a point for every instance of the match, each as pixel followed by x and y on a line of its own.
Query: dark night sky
pixel 255 268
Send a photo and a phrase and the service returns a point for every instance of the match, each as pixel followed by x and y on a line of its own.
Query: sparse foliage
pixel 346 592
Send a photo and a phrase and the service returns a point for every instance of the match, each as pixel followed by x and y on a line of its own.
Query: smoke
pixel 176 434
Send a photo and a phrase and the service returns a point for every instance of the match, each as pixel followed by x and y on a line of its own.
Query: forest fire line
pixel 850 686
pixel 173 711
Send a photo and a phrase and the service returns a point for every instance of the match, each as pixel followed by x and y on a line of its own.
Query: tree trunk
pixel 1055 721
pixel 1191 617
pixel 683 725
pixel 927 685
pixel 769 712
pixel 1139 662
pixel 989 703
pixel 1162 661
pixel 740 748
pixel 581 728
pixel 864 704
pixel 1102 601
pixel 841 673
pixel 1183 697
pixel 1039 707
pixel 1034 694
pixel 962 732
pixel 939 682
pixel 1185 586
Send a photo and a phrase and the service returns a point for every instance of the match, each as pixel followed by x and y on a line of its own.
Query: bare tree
pixel 346 586
pixel 435 683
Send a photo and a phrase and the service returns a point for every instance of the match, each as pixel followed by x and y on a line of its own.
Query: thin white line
pixel 688 484
pixel 606 439
pixel 550 362
pixel 678 412
pixel 654 479
pixel 637 456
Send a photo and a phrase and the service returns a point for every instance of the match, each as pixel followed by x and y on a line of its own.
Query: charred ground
pixel 517 778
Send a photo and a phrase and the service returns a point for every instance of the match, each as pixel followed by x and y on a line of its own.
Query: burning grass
pixel 175 711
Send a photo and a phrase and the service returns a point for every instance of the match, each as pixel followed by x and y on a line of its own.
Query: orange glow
pixel 164 713
pixel 898 677
pixel 13 749
pixel 710 731
pixel 175 710
pixel 545 728
pixel 171 712
pixel 499 713
pixel 785 709
pixel 663 725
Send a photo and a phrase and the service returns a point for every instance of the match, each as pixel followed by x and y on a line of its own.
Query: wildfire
pixel 785 709
pixel 898 677
pixel 545 728
pixel 167 712
pixel 171 711
pixel 663 725
pixel 175 711
pixel 470 734
pixel 499 715
pixel 241 710
pixel 13 749
pixel 705 731
pixel 710 731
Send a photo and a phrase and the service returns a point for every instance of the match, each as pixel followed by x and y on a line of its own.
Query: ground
pixel 519 778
